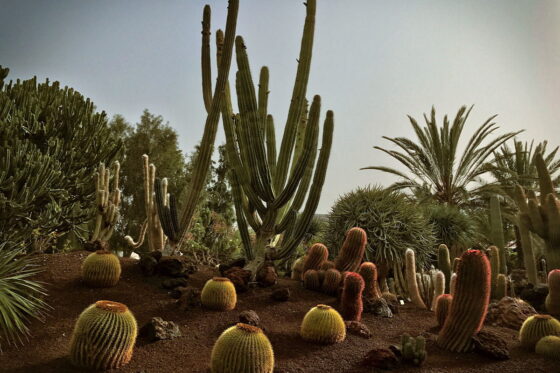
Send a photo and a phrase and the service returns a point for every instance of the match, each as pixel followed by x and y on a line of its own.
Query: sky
pixel 373 63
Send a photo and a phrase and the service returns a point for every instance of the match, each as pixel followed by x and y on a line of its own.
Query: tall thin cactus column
pixel 107 203
pixel 497 232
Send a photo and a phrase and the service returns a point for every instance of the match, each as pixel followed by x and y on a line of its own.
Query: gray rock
pixel 157 329
pixel 377 306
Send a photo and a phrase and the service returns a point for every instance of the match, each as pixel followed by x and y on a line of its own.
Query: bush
pixel 452 226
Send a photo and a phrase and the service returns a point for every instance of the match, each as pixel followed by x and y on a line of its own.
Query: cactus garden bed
pixel 47 349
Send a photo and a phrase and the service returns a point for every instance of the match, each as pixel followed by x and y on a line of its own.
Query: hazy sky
pixel 373 63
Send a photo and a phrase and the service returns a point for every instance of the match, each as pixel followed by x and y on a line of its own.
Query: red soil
pixel 46 352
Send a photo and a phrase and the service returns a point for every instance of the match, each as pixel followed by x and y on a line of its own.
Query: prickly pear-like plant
pixel 501 286
pixel 411 280
pixel 103 337
pixel 444 264
pixel 323 324
pixel 470 303
pixel 219 294
pixel 552 302
pixel 443 302
pixel 549 346
pixel 331 282
pixel 536 327
pixel 316 256
pixel 368 271
pixel 242 348
pixel 328 264
pixel 311 280
pixel 352 251
pixel 351 300
pixel 413 350
pixel 495 267
pixel 297 269
pixel 101 269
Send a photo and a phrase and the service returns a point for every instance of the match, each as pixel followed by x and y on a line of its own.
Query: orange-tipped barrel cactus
pixel 103 337
pixel 331 282
pixel 552 302
pixel 368 271
pixel 443 303
pixel 328 264
pixel 101 269
pixel 352 251
pixel 537 327
pixel 219 294
pixel 316 256
pixel 470 303
pixel 242 349
pixel 351 300
pixel 323 324
pixel 311 280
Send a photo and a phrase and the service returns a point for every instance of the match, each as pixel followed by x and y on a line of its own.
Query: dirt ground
pixel 46 352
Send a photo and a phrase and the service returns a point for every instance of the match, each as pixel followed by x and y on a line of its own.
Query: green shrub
pixel 452 226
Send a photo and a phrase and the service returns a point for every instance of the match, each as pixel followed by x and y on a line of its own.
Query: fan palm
pixel 434 162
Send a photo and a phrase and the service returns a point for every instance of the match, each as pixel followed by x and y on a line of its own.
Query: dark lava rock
pixel 239 277
pixel 359 329
pixel 148 265
pixel 175 266
pixel 509 312
pixel 519 280
pixel 96 245
pixel 281 294
pixel 190 298
pixel 250 317
pixel 172 283
pixel 535 295
pixel 377 306
pixel 491 345
pixel 157 329
pixel 236 263
pixel 381 358
pixel 267 276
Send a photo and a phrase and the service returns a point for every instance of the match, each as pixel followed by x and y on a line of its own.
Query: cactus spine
pixel 103 337
pixel 331 282
pixel 101 269
pixel 444 264
pixel 317 255
pixel 497 233
pixel 536 327
pixel 242 349
pixel 552 302
pixel 411 280
pixel 351 300
pixel 352 251
pixel 322 324
pixel 311 280
pixel 219 294
pixel 413 350
pixel 443 302
pixel 549 346
pixel 501 286
pixel 470 303
pixel 495 267
pixel 107 203
pixel 368 271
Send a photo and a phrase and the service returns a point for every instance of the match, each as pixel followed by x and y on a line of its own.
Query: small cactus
pixel 443 302
pixel 101 269
pixel 411 280
pixel 438 288
pixel 219 294
pixel 103 337
pixel 297 269
pixel 351 300
pixel 323 324
pixel 413 350
pixel 328 264
pixel 311 280
pixel 552 302
pixel 316 256
pixel 444 264
pixel 537 327
pixel 368 271
pixel 501 286
pixel 352 251
pixel 549 346
pixel 242 348
pixel 453 283
pixel 331 282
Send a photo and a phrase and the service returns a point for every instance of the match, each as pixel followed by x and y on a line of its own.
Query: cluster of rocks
pixel 241 278
pixel 155 264
pixel 509 313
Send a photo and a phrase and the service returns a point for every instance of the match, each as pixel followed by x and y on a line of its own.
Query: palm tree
pixel 436 168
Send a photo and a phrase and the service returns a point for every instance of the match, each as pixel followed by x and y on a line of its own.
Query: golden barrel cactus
pixel 219 294
pixel 101 269
pixel 323 324
pixel 537 327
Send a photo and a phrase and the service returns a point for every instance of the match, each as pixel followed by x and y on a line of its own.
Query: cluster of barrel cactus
pixel 536 327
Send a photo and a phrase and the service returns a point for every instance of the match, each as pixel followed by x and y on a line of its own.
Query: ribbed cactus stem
pixel 311 280
pixel 553 298
pixel 297 269
pixel 494 252
pixel 322 324
pixel 549 346
pixel 331 282
pixel 453 283
pixel 352 250
pixel 411 280
pixel 107 202
pixel 527 246
pixel 501 286
pixel 439 288
pixel 351 300
pixel 368 271
pixel 497 232
pixel 444 264
pixel 327 264
pixel 219 294
pixel 470 303
pixel 101 269
pixel 536 327
pixel 443 303
pixel 316 256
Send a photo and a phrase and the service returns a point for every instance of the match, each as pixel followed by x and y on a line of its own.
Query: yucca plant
pixel 21 297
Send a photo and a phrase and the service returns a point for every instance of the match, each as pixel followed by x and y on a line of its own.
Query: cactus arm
pixel 527 245
pixel 306 179
pixel 205 59
pixel 263 99
pixel 271 145
pixel 497 232
pixel 136 244
pixel 545 181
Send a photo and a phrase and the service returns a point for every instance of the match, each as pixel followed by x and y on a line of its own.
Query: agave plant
pixel 21 297
pixel 453 227
pixel 434 162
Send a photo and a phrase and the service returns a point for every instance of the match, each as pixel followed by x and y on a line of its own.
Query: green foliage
pixel 452 226
pixel 50 140
pixel 391 221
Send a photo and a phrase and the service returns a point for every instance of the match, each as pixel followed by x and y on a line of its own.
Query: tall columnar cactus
pixel 269 188
pixel 151 226
pixel 107 202
pixel 297 269
pixel 410 270
pixel 553 298
pixel 103 337
pixel 242 348
pixel 311 280
pixel 368 271
pixel 525 234
pixel 167 211
pixel 352 250
pixel 541 216
pixel 501 286
pixel 331 282
pixel 351 300
pixel 413 350
pixel 497 232
pixel 453 283
pixel 536 327
pixel 549 346
pixel 444 264
pixel 438 288
pixel 316 256
pixel 495 267
pixel 443 303
pixel 219 294
pixel 470 303
pixel 101 269
pixel 323 324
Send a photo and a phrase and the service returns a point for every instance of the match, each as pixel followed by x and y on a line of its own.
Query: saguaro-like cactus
pixel 270 187
pixel 410 270
pixel 240 349
pixel 553 298
pixel 536 327
pixel 444 264
pixel 322 324
pixel 101 269
pixel 103 337
pixel 316 256
pixel 152 225
pixel 219 294
pixel 470 303
pixel 352 250
pixel 331 282
pixel 497 232
pixel 495 267
pixel 351 301
pixel 107 204
pixel 443 303
pixel 368 271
